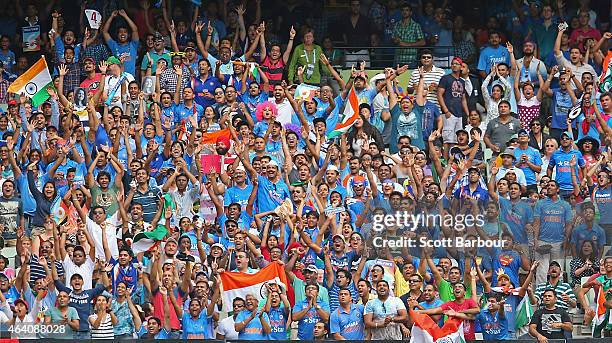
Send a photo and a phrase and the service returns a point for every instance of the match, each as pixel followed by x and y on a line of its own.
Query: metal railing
pixel 379 57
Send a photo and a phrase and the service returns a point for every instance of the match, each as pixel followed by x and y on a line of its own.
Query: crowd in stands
pixel 179 143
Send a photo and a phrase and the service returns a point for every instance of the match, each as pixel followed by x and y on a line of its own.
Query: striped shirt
pixel 37 271
pixel 334 303
pixel 430 77
pixel 560 289
pixel 105 330
pixel 149 201
pixel 273 70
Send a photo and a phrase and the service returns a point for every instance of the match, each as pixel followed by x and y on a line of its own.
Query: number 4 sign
pixel 94 17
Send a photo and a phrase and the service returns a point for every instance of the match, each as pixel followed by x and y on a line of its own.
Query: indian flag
pixel 601 314
pixel 34 82
pixel 524 312
pixel 351 113
pixel 425 330
pixel 235 284
pixel 145 241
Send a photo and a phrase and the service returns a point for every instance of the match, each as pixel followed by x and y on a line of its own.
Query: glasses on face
pixel 535 124
pixel 414 281
pixel 550 146
pixel 565 138
pixel 426 57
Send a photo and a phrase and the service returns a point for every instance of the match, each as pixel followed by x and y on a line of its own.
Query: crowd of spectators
pixel 227 126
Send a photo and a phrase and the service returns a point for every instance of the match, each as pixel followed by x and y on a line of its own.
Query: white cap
pixel 273 163
pixel 333 168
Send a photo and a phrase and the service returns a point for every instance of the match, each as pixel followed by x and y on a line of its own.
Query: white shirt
pixel 431 77
pixel 109 84
pixel 285 111
pixel 85 270
pixel 226 328
pixel 111 236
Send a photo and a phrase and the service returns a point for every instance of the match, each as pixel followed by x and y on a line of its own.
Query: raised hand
pixel 210 29
pixel 62 70
pixel 510 47
pixel 240 10
pixel 292 33
pixel 103 66
pixel 199 27
pixel 178 70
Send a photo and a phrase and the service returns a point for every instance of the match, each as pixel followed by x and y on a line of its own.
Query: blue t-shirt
pixel 493 327
pixel 197 328
pixel 199 88
pixel 582 233
pixel 128 50
pixel 307 323
pixel 603 200
pixel 436 303
pixel 560 159
pixel 516 216
pixel 278 324
pixel 253 330
pixel 553 216
pixel 490 56
pixel 182 113
pixel 349 325
pixel 561 105
pixel 510 261
pixel 237 195
pixel 534 157
pixel 270 195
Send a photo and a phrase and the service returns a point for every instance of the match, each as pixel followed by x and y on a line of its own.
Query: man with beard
pixel 283 106
pixel 528 66
pixel 115 83
pixel 565 297
pixel 550 321
pixel 493 54
pixel 493 319
pixel 247 326
pixel 92 79
pixel 385 314
pixel 446 287
pixel 271 190
pixel 185 195
pixel 461 307
pixel 501 129
pixel 204 84
pixel 430 300
pixel 240 191
pixel 122 47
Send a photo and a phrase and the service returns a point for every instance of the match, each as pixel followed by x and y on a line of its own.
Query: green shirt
pixel 311 61
pixel 300 293
pixel 57 316
pixel 108 199
pixel 445 290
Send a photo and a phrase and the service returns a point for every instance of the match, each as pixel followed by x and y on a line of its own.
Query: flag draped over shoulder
pixel 145 241
pixel 34 82
pixel 235 284
pixel 601 314
pixel 425 330
pixel 351 113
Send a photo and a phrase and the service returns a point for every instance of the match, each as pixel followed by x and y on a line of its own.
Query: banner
pixel 94 18
pixel 30 38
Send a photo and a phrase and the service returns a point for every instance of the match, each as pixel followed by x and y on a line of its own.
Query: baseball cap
pixel 273 163
pixel 311 268
pixel 554 263
pixel 12 102
pixel 461 131
pixel 113 60
pixel 332 168
pixel 218 245
pixel 23 302
pixel 567 133
pixel 474 169
pixel 89 59
pixel 158 37
pixel 523 132
pixel 340 236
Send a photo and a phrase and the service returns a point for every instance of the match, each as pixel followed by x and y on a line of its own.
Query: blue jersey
pixel 493 327
pixel 238 195
pixel 270 195
pixel 533 156
pixel 278 324
pixel 307 323
pixel 553 216
pixel 490 56
pixel 197 328
pixel 560 159
pixel 254 329
pixel 128 50
pixel 561 105
pixel 349 325
pixel 516 216
pixel 200 87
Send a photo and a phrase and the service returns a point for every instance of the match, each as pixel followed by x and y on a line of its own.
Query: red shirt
pixel 468 325
pixel 158 310
pixel 91 84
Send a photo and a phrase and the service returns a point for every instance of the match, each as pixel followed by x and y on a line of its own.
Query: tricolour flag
pixel 237 284
pixel 605 80
pixel 145 241
pixel 351 113
pixel 34 82
pixel 425 330
pixel 524 312
pixel 601 313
